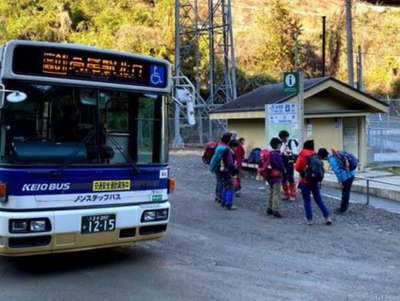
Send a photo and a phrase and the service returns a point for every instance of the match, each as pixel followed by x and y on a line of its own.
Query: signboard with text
pixel 281 117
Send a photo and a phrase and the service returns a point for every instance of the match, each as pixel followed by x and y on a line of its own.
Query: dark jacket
pixel 276 161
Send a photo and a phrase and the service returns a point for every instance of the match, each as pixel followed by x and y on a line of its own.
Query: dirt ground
pixel 250 256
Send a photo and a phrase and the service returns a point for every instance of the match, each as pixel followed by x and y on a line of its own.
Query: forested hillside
pixel 264 34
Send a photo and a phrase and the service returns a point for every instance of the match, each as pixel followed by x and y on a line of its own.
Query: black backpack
pixel 348 160
pixel 315 169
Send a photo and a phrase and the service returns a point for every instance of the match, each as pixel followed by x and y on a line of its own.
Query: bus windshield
pixel 58 124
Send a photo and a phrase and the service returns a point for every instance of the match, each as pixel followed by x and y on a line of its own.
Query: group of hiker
pixel 277 165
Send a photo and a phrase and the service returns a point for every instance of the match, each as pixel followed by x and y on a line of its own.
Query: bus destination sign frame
pixel 86 65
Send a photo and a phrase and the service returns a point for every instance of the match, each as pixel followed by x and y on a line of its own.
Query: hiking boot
pixel 339 211
pixel 217 200
pixel 270 211
pixel 277 214
pixel 328 221
pixel 232 207
pixel 308 221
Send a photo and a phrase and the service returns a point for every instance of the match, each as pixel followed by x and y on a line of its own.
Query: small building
pixel 334 114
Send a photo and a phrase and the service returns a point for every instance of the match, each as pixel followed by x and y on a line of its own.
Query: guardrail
pixel 368 181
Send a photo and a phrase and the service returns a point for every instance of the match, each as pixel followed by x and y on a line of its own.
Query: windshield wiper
pixel 127 158
pixel 71 157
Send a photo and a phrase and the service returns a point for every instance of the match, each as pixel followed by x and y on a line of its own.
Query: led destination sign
pixel 86 65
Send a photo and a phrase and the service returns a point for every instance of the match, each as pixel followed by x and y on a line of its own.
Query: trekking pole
pixel 367 192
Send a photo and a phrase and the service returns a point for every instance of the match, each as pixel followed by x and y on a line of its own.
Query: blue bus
pixel 83 148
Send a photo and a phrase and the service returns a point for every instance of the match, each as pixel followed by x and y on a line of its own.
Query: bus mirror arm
pixel 15 96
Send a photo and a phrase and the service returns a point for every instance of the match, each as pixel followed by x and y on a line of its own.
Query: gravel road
pixel 256 257
pixel 214 254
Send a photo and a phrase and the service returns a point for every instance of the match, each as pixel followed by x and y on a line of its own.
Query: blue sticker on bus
pixel 157 75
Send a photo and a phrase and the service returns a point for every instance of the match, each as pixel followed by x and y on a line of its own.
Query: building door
pixel 350 135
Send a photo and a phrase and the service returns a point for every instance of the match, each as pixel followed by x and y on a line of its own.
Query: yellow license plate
pixel 111 185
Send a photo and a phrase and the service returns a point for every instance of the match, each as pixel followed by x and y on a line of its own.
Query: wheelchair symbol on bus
pixel 157 76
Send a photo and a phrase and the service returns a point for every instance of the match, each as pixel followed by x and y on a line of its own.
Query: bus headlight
pixel 20 226
pixel 162 214
pixel 38 225
pixel 33 225
pixel 155 215
pixel 149 216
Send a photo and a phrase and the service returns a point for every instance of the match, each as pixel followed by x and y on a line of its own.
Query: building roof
pixel 271 94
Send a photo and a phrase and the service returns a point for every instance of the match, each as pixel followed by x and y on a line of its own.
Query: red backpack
pixel 209 150
pixel 264 165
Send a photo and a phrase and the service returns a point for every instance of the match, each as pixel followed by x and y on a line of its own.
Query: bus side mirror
pixel 14 96
pixel 185 97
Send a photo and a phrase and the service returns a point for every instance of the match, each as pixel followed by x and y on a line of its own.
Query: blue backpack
pixel 348 160
pixel 255 155
pixel 217 157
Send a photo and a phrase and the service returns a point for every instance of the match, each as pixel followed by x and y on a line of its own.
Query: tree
pixel 282 32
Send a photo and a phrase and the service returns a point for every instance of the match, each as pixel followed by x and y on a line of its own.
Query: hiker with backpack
pixel 271 168
pixel 222 164
pixel 311 170
pixel 343 164
pixel 290 151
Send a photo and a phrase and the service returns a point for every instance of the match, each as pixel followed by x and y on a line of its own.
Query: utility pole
pixel 360 81
pixel 323 45
pixel 178 141
pixel 349 36
pixel 300 107
pixel 300 95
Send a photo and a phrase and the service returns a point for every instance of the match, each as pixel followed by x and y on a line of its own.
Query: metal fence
pixel 204 130
pixel 383 139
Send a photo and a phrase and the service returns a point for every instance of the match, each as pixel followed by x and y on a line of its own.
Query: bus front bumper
pixel 66 233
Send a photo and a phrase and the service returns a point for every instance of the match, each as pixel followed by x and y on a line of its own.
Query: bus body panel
pixel 66 229
pixel 38 188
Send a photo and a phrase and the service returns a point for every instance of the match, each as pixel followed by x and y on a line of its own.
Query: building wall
pixel 250 129
pixel 323 103
pixel 326 132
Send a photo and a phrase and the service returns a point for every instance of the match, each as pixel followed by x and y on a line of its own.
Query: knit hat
pixel 309 144
pixel 323 153
pixel 226 137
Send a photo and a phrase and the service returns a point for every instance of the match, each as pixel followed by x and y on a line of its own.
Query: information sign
pixel 291 82
pixel 281 117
